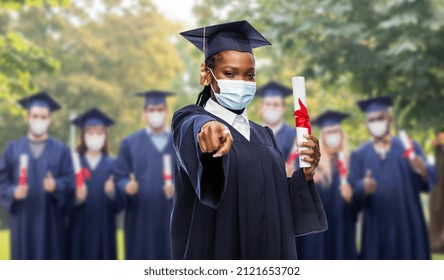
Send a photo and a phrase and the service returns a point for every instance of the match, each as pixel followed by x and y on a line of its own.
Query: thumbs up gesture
pixel 109 185
pixel 49 183
pixel 132 187
pixel 370 184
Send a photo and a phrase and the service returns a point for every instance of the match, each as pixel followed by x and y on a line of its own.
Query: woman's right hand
pixel 215 137
pixel 81 194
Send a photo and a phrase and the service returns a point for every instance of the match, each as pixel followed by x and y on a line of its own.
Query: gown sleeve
pixel 306 205
pixel 356 179
pixel 432 174
pixel 207 175
pixel 7 186
pixel 122 169
pixel 65 180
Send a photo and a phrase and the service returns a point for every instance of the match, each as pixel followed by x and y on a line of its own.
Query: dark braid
pixel 205 94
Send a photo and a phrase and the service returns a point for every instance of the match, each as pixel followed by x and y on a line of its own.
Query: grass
pixel 4 246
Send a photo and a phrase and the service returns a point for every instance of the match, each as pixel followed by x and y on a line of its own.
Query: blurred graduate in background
pixel 141 178
pixel 272 111
pixel 92 221
pixel 233 198
pixel 36 183
pixel 436 204
pixel 386 185
pixel 339 241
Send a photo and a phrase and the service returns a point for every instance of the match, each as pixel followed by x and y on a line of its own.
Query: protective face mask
pixel 156 120
pixel 95 142
pixel 38 127
pixel 333 140
pixel 234 94
pixel 272 116
pixel 378 128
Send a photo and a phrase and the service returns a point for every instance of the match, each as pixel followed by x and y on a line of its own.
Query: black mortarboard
pixel 41 99
pixel 274 89
pixel 155 97
pixel 375 104
pixel 330 118
pixel 92 117
pixel 237 36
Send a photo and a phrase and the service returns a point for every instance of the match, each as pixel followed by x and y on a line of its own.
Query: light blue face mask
pixel 234 94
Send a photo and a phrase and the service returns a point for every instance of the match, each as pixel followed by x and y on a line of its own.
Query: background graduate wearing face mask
pixel 233 198
pixel 339 241
pixel 139 177
pixel 386 186
pixel 92 220
pixel 39 202
pixel 272 111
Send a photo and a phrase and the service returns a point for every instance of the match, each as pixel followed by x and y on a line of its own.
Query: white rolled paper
pixel 24 162
pixel 406 143
pixel 341 158
pixel 299 93
pixel 167 168
pixel 76 162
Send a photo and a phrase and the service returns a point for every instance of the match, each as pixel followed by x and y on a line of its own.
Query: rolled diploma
pixel 406 143
pixel 167 169
pixel 341 158
pixel 299 93
pixel 23 178
pixel 77 169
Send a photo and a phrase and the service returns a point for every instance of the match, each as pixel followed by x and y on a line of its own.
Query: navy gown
pixel 339 241
pixel 285 140
pixel 92 224
pixel 38 222
pixel 147 214
pixel 239 206
pixel 394 225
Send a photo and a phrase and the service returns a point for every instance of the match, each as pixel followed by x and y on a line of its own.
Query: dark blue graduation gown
pixel 339 241
pixel 285 140
pixel 394 226
pixel 92 224
pixel 38 222
pixel 147 214
pixel 239 206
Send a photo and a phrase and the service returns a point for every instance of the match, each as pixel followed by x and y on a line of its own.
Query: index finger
pixel 226 145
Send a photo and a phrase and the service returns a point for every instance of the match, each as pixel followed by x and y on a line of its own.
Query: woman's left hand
pixel 312 155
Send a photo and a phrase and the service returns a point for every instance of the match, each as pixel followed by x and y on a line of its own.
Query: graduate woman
pixel 233 199
pixel 92 221
pixel 338 242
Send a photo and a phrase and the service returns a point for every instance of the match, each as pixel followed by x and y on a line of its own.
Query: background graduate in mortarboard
pixel 38 207
pixel 272 111
pixel 339 241
pixel 233 199
pixel 140 179
pixel 387 186
pixel 92 220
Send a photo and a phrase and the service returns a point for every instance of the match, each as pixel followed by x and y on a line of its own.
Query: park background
pixel 98 53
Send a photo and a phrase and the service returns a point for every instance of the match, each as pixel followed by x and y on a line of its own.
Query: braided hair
pixel 205 94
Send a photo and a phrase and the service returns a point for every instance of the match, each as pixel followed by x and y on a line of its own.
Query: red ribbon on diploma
pixel 23 177
pixel 301 117
pixel 167 177
pixel 82 176
pixel 342 168
pixel 408 151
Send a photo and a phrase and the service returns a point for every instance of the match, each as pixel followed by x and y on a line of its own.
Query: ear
pixel 204 77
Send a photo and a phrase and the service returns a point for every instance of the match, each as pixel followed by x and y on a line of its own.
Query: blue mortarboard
pixel 92 117
pixel 274 89
pixel 237 36
pixel 155 97
pixel 375 104
pixel 41 99
pixel 330 118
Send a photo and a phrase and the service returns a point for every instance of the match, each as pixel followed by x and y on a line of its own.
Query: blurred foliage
pixel 106 56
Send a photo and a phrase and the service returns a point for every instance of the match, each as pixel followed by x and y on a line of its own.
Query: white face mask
pixel 378 128
pixel 333 140
pixel 272 116
pixel 156 120
pixel 95 142
pixel 38 127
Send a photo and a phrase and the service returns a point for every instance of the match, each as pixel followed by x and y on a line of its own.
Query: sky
pixel 177 10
